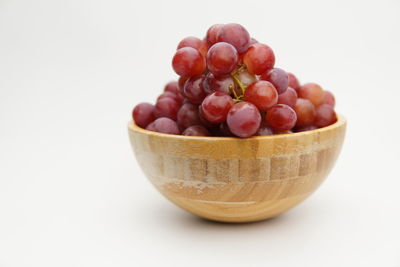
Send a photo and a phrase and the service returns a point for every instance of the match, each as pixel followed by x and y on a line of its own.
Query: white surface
pixel 71 193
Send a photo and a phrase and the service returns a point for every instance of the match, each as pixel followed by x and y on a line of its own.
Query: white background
pixel 71 193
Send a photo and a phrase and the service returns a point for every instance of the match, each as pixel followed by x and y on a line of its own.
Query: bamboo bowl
pixel 237 180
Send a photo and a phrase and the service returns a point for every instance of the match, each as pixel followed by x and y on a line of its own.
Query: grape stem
pixel 238 82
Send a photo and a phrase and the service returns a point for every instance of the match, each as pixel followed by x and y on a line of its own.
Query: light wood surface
pixel 237 180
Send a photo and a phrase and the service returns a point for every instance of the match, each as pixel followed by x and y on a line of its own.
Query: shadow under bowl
pixel 230 179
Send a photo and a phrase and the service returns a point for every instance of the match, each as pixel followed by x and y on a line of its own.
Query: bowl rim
pixel 341 120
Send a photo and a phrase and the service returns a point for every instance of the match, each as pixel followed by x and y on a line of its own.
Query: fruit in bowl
pixel 235 138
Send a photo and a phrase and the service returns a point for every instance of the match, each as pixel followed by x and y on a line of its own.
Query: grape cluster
pixel 228 86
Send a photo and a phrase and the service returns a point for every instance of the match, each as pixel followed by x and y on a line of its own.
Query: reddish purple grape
pixel 259 58
pixel 193 89
pixel 212 34
pixel 325 115
pixel 222 59
pixel 204 121
pixel 288 98
pixel 281 117
pixel 305 111
pixel 278 77
pixel 143 114
pixel 172 87
pixel 305 128
pixel 224 84
pixel 264 130
pixel 328 98
pixel 166 107
pixel 262 94
pixel 195 43
pixel 188 115
pixel 293 81
pixel 236 35
pixel 243 119
pixel 312 92
pixel 164 125
pixel 177 97
pixel 216 106
pixel 188 62
pixel 196 130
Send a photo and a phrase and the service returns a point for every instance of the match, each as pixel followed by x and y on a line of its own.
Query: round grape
pixel 221 59
pixel 193 89
pixel 196 130
pixel 172 87
pixel 293 81
pixel 262 94
pixel 325 115
pixel 312 92
pixel 278 77
pixel 188 62
pixel 328 98
pixel 212 32
pixel 143 114
pixel 281 117
pixel 259 58
pixel 224 130
pixel 195 43
pixel 177 97
pixel 164 125
pixel 166 107
pixel 216 106
pixel 234 34
pixel 188 115
pixel 223 84
pixel 243 119
pixel 305 111
pixel 288 98
pixel 305 128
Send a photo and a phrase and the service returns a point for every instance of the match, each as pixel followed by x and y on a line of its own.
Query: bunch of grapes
pixel 228 86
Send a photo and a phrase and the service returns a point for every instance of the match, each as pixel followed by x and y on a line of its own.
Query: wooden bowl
pixel 238 180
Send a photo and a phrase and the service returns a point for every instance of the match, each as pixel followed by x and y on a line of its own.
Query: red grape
pixel 264 130
pixel 312 92
pixel 305 128
pixel 243 119
pixel 288 98
pixel 216 107
pixel 203 120
pixel 259 58
pixel 325 115
pixel 188 115
pixel 172 87
pixel 283 132
pixel 196 130
pixel 193 89
pixel 177 97
pixel 188 62
pixel 194 42
pixel 212 33
pixel 143 114
pixel 221 59
pixel 293 81
pixel 166 107
pixel 164 125
pixel 305 111
pixel 278 77
pixel 234 34
pixel 281 117
pixel 223 84
pixel 328 98
pixel 262 94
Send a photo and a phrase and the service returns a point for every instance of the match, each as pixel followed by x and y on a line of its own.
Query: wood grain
pixel 237 180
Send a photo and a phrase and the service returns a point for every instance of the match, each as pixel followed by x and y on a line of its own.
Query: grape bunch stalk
pixel 229 86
